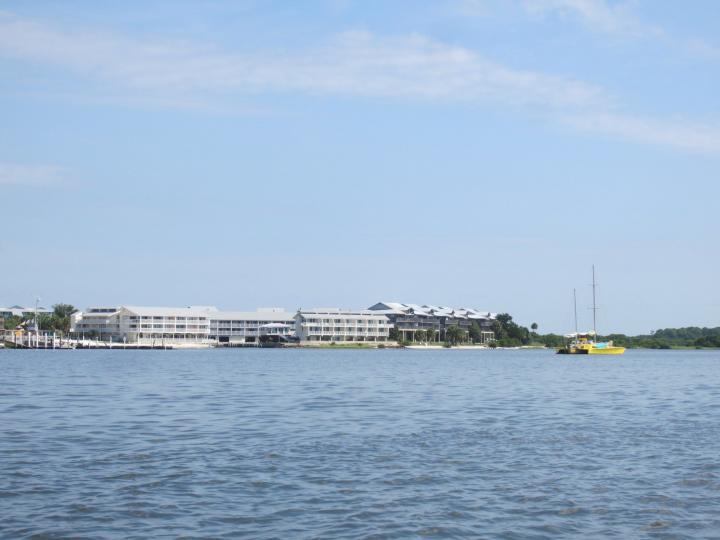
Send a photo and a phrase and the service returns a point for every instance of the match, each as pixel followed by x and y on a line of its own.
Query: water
pixel 264 443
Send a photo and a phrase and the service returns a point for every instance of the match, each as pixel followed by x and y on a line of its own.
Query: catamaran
pixel 585 343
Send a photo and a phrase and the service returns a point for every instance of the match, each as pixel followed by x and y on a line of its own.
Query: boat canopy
pixel 580 334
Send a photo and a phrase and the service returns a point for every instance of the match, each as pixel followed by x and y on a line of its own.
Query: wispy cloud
pixel 30 175
pixel 679 134
pixel 702 48
pixel 354 63
pixel 600 15
pixel 470 8
pixel 186 74
pixel 618 18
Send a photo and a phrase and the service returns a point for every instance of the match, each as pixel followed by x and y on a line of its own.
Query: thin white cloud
pixel 470 8
pixel 672 133
pixel 702 48
pixel 617 18
pixel 600 15
pixel 354 63
pixel 182 74
pixel 30 175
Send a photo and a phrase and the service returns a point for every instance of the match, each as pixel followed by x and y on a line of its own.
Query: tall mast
pixel 575 308
pixel 594 306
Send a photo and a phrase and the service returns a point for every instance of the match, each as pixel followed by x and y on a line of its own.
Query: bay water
pixel 268 443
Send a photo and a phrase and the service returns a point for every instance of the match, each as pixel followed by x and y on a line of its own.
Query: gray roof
pixel 168 311
pixel 397 308
pixel 18 311
pixel 336 312
pixel 252 316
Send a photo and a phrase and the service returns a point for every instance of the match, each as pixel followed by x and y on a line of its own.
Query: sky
pixel 467 153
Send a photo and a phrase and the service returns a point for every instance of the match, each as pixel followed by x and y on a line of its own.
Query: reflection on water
pixel 356 444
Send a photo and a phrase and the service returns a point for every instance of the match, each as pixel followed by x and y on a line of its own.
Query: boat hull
pixel 607 350
pixel 591 349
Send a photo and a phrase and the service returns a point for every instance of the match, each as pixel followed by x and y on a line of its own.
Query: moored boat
pixel 585 343
pixel 579 343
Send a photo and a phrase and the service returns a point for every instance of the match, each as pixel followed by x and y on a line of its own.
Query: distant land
pixel 690 337
pixel 507 333
pixel 510 334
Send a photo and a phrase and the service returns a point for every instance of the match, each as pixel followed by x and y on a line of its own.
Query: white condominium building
pixel 96 322
pixel 335 325
pixel 145 325
pixel 238 327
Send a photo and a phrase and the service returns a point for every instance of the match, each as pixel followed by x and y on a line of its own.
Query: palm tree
pixel 431 333
pixel 61 317
pixel 453 335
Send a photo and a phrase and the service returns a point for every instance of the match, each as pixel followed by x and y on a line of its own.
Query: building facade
pixel 248 327
pixel 96 321
pixel 341 326
pixel 408 319
pixel 144 325
pixel 22 312
pixel 183 325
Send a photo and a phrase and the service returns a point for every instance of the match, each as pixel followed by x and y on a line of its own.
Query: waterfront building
pixel 96 322
pixel 183 325
pixel 145 325
pixel 22 312
pixel 247 327
pixel 341 326
pixel 408 319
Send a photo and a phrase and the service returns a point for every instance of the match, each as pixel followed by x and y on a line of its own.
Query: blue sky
pixel 342 152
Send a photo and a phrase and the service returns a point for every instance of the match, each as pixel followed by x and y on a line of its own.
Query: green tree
pixel 509 333
pixel 475 332
pixel 45 321
pixel 708 341
pixel 12 321
pixel 420 335
pixel 61 317
pixel 453 335
pixel 431 334
pixel 534 327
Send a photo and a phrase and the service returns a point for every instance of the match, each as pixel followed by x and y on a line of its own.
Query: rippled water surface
pixel 262 443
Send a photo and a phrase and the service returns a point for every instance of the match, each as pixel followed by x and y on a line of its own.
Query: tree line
pixel 667 338
pixel 57 321
pixel 510 334
pixel 507 333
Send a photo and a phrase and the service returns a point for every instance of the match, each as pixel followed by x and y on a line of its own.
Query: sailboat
pixel 585 343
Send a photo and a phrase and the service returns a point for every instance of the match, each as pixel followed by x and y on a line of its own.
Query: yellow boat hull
pixel 592 349
pixel 607 350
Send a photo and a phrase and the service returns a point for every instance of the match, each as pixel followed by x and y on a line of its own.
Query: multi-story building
pixel 183 325
pixel 22 312
pixel 145 325
pixel 245 327
pixel 336 325
pixel 409 318
pixel 96 322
